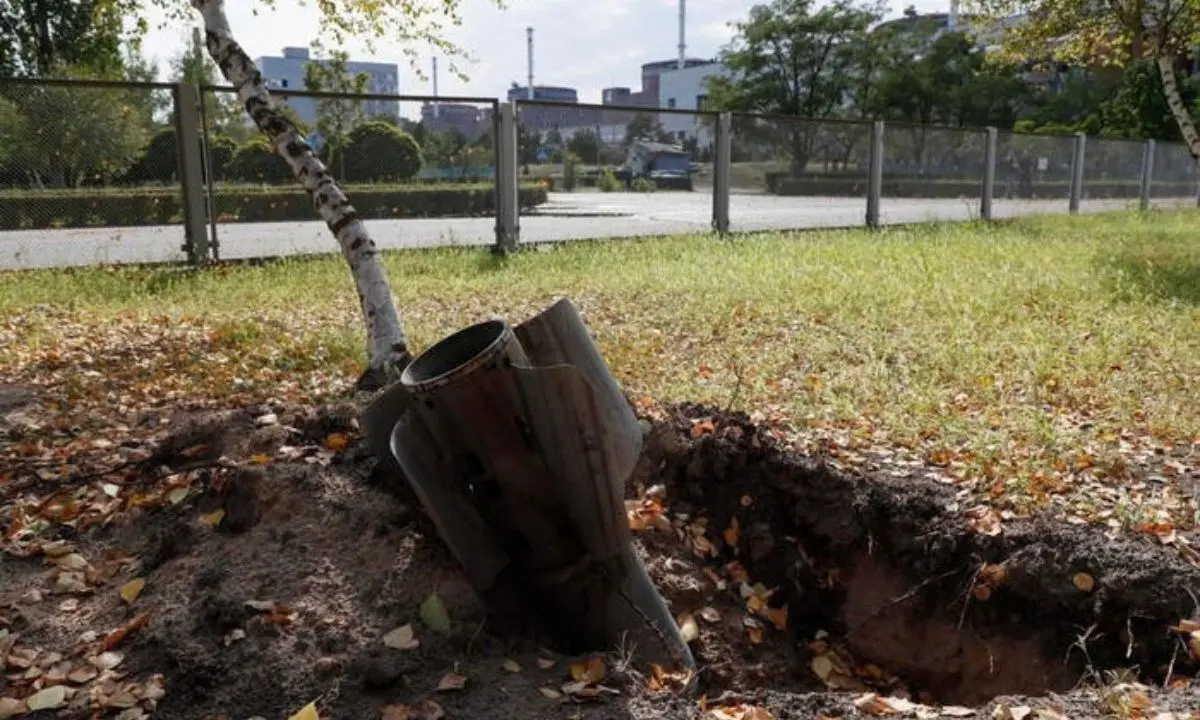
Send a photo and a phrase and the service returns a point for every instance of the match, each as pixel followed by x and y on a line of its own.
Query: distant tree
pixel 255 161
pixel 1139 108
pixel 792 58
pixel 1114 33
pixel 44 38
pixel 222 111
pixel 63 136
pixel 646 126
pixel 585 144
pixel 338 116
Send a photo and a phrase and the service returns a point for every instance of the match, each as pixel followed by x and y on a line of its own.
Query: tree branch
pixel 386 344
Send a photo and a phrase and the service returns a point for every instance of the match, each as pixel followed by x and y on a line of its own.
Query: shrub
pixel 159 162
pixel 221 149
pixel 379 152
pixel 644 185
pixel 26 210
pixel 570 164
pixel 608 182
pixel 257 162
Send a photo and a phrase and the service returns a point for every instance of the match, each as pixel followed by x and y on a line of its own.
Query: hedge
pixel 32 210
pixel 842 186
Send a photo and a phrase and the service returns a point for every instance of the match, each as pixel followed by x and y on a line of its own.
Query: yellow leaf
pixel 1083 582
pixel 130 590
pixel 336 442
pixel 308 712
pixel 731 533
pixel 590 671
pixel 213 518
pixel 260 459
pixel 777 616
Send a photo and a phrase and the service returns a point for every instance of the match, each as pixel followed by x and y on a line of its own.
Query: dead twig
pixel 737 387
pixel 1171 665
pixel 962 616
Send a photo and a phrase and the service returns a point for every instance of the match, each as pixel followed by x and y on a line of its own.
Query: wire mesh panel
pixel 1033 174
pixel 931 173
pixel 1176 181
pixel 88 174
pixel 613 171
pixel 1112 174
pixel 418 173
pixel 791 172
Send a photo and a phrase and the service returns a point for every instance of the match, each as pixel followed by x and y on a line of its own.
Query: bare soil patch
pixel 274 558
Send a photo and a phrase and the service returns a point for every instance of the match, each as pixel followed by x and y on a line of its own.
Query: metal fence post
pixel 1147 175
pixel 1077 156
pixel 723 147
pixel 989 173
pixel 508 204
pixel 191 172
pixel 875 174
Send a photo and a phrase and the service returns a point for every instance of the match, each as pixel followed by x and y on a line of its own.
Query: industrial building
pixel 286 72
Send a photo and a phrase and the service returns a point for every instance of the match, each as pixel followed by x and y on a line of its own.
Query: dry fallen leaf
pixel 451 682
pixel 1083 582
pixel 545 663
pixel 11 707
pixel 957 711
pixel 401 638
pixel 710 614
pixel 49 698
pixel 589 671
pixel 428 710
pixel 308 712
pixel 872 704
pixel 116 637
pixel 130 590
pixel 511 666
pixel 731 533
pixel 688 629
pixel 336 442
pixel 72 561
pixel 213 518
pixel 550 693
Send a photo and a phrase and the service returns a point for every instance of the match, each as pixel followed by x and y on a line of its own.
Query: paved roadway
pixel 567 216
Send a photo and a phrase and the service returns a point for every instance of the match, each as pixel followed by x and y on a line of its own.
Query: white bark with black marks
pixel 1166 69
pixel 386 344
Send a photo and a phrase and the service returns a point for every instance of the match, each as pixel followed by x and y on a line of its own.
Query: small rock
pixel 265 420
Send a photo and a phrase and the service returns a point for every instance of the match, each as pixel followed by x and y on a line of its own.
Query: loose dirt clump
pixel 257 561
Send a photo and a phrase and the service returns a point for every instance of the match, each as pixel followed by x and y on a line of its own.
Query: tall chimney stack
pixel 682 34
pixel 436 112
pixel 529 52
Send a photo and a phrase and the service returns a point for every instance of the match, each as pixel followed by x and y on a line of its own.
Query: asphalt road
pixel 567 216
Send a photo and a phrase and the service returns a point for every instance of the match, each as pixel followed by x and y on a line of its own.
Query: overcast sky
pixel 585 45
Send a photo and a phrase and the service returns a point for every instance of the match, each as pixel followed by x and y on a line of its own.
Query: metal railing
pixel 111 169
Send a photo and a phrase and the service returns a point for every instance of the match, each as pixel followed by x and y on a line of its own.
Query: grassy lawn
pixel 1023 361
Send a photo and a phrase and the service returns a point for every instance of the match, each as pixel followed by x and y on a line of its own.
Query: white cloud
pixel 583 45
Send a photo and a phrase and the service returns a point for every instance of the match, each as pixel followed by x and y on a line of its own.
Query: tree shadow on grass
pixel 1165 268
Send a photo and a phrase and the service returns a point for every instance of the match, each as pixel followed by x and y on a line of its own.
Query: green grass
pixel 1012 348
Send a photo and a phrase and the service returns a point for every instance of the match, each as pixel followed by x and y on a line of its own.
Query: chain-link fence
pixel 95 172
pixel 1033 174
pixel 788 172
pixel 1112 174
pixel 415 182
pixel 88 174
pixel 931 173
pixel 627 170
pixel 1176 180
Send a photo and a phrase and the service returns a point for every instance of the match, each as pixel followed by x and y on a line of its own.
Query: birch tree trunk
pixel 387 347
pixel 1166 69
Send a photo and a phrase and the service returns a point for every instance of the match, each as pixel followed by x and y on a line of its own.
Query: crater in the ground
pixel 888 588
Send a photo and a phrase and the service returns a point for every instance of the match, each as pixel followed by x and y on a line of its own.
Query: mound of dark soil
pixel 813 593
